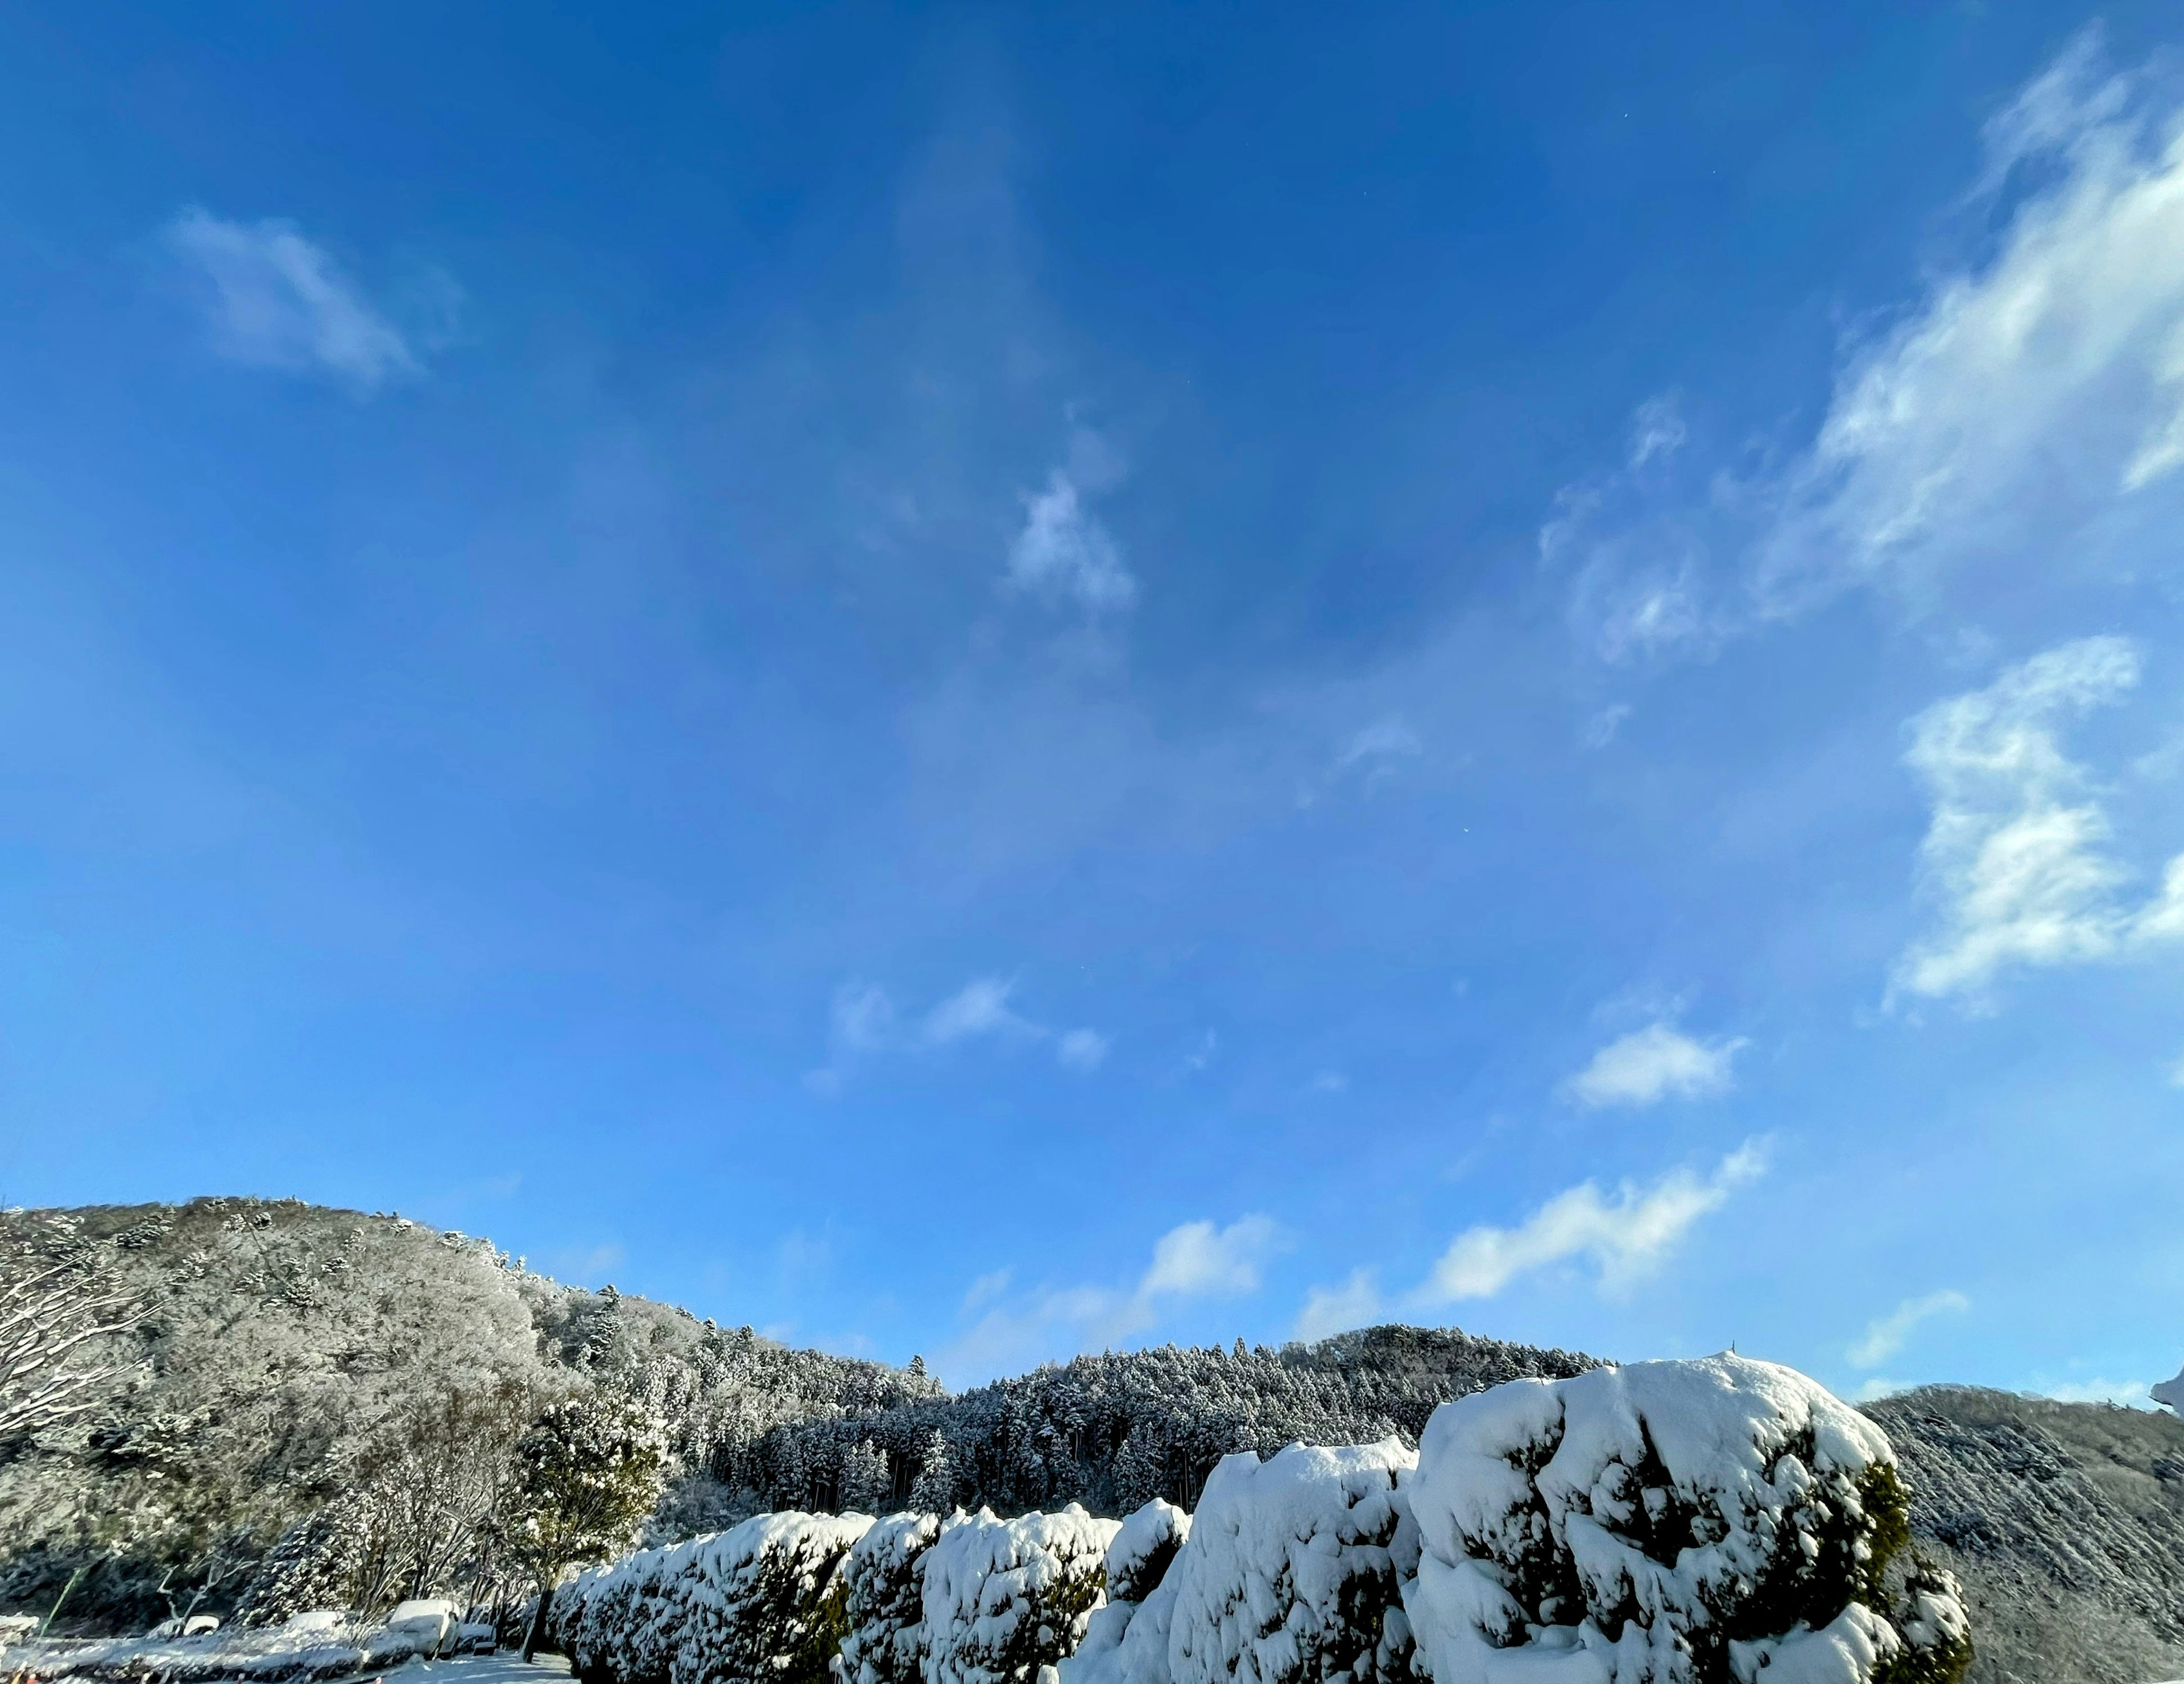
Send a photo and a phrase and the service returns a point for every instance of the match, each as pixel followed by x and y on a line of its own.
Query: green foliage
pixel 587 1475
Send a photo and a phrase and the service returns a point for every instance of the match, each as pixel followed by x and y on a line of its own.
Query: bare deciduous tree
pixel 49 1320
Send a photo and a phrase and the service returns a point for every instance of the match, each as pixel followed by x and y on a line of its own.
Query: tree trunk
pixel 536 1634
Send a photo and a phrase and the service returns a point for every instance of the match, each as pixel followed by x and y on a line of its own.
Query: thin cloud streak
pixel 278 300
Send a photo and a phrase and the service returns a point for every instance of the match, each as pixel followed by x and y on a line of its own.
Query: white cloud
pixel 1082 1049
pixel 1330 1310
pixel 1062 550
pixel 2132 1394
pixel 1884 1336
pixel 980 1007
pixel 863 1017
pixel 1198 1260
pixel 1195 1260
pixel 2016 859
pixel 1330 1082
pixel 279 300
pixel 1383 740
pixel 1657 430
pixel 1649 1065
pixel 1623 1238
pixel 1600 730
pixel 2024 417
pixel 864 1022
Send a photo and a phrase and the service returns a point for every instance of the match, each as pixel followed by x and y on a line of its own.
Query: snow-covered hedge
pixel 1716 1522
pixel 760 1600
pixel 1724 1522
pixel 1137 1565
pixel 1004 1599
pixel 1289 1573
pixel 884 1579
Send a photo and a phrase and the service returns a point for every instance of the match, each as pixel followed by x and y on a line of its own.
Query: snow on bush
pixel 769 1603
pixel 760 1600
pixel 1292 1575
pixel 884 1581
pixel 1003 1599
pixel 1137 1561
pixel 1670 1523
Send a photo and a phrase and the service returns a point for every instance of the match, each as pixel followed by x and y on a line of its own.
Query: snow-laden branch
pixel 46 1321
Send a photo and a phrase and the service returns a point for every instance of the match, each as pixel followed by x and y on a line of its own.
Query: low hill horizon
pixel 289 1356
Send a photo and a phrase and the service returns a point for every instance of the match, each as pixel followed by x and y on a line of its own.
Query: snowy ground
pixel 505 1668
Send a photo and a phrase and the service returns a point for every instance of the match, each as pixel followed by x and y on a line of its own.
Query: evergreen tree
pixel 587 1473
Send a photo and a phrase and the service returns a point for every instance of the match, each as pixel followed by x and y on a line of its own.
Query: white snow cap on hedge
pixel 885 1580
pixel 1644 1525
pixel 754 1599
pixel 727 1606
pixel 1004 1599
pixel 1138 1561
pixel 1289 1575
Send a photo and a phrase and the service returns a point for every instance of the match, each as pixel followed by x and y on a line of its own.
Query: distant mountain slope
pixel 2065 1522
pixel 287 1346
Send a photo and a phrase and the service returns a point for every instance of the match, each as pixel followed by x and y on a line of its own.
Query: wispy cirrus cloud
pixel 1193 1262
pixel 2017 860
pixel 1884 1336
pixel 275 299
pixel 2024 417
pixel 864 1022
pixel 1622 1237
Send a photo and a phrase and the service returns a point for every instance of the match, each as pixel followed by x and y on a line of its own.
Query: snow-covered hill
pixel 290 1349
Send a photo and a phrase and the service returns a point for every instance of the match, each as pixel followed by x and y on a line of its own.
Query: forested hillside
pixel 300 1381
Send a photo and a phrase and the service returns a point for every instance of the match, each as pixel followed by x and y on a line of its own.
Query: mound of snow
pixel 1003 1599
pixel 883 1577
pixel 1669 1523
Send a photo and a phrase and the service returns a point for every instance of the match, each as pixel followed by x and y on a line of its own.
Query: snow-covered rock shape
pixel 2171 1392
pixel 1005 1598
pixel 1724 1522
pixel 884 1579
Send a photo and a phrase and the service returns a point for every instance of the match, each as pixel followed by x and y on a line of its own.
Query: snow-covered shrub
pixel 1291 1575
pixel 1147 1542
pixel 1670 1523
pixel 1003 1599
pixel 767 1601
pixel 1137 1561
pixel 883 1580
pixel 760 1600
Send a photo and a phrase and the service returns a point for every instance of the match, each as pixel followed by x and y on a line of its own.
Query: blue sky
pixel 990 681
